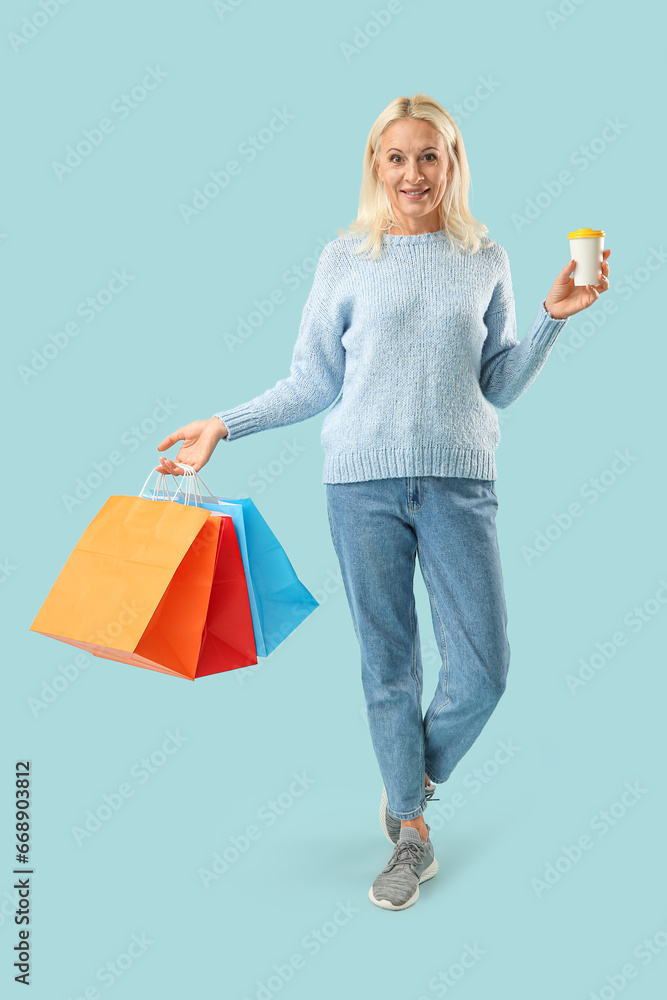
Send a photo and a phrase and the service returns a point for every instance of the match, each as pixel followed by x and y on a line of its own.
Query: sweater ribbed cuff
pixel 546 328
pixel 239 421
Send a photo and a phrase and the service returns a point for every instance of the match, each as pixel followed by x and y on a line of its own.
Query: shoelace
pixel 405 851
pixel 431 798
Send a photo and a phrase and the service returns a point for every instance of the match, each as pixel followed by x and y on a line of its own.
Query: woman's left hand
pixel 565 298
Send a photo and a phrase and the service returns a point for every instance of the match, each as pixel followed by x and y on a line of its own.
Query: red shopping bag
pixel 229 638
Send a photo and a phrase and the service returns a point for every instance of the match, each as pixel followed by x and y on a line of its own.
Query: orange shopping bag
pixel 137 586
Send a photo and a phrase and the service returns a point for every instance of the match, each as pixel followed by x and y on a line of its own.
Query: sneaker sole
pixel 385 904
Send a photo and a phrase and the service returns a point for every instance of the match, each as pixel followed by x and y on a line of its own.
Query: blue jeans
pixel 378 527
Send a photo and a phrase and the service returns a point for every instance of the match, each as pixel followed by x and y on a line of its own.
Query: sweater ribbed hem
pixel 412 460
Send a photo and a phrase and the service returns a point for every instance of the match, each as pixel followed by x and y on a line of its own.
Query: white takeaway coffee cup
pixel 586 246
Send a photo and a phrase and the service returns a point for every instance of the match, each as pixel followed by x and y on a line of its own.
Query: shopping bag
pixel 137 587
pixel 279 602
pixel 228 641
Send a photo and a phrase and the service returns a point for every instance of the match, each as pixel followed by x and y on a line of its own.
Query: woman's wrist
pixel 220 426
pixel 549 311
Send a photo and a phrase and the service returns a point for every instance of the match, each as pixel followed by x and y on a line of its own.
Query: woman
pixel 412 315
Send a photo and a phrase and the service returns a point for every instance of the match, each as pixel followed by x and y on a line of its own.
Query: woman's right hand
pixel 199 440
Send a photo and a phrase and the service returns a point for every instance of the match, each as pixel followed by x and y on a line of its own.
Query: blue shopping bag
pixel 279 602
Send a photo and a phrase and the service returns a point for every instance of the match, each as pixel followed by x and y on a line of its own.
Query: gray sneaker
pixel 391 827
pixel 411 863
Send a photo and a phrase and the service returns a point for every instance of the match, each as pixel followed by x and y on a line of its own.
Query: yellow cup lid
pixel 580 233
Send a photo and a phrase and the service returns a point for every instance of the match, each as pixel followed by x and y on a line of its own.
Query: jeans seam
pixel 432 720
pixel 410 504
pixel 412 815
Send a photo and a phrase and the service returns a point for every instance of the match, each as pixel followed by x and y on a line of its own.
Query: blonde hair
pixel 376 216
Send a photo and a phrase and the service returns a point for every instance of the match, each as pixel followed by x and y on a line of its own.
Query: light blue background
pixel 163 338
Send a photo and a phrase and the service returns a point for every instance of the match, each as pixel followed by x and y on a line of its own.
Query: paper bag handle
pixel 192 477
pixel 193 483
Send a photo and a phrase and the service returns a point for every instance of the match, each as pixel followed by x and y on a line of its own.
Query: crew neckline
pixel 438 234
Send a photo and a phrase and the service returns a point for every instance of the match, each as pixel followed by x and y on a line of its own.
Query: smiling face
pixel 413 165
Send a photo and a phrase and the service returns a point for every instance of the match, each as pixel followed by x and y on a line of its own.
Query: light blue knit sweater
pixel 422 342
